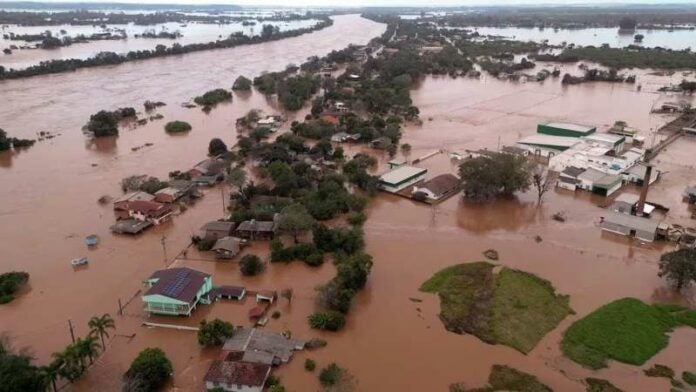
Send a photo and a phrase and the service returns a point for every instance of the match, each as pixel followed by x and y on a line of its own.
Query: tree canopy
pixel 214 333
pixel 295 220
pixel 678 267
pixel 149 371
pixel 498 174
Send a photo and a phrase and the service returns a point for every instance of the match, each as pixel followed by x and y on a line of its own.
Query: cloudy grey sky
pixel 361 3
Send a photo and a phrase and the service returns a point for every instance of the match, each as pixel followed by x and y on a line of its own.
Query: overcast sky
pixel 361 3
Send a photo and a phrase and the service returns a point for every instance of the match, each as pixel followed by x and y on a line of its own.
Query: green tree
pixel 237 177
pixel 103 123
pixel 678 267
pixel 17 373
pixel 310 365
pixel 51 374
pixel 330 375
pixel 488 176
pixel 241 84
pixel 250 265
pixel 177 127
pixel 214 333
pixel 87 347
pixel 100 326
pixel 5 143
pixel 216 147
pixel 149 371
pixel 295 220
pixel 329 320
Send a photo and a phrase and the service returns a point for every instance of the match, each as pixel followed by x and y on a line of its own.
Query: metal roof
pixel 633 222
pixel 550 140
pixel 570 126
pixel 402 173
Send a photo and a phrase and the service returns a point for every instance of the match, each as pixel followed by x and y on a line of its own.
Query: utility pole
pixel 222 195
pixel 163 241
pixel 72 332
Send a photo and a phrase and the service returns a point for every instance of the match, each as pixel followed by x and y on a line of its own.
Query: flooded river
pixel 677 39
pixel 191 33
pixel 390 343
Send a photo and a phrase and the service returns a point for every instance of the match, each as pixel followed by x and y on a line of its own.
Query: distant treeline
pixel 629 57
pixel 574 17
pixel 269 33
pixel 84 17
pixel 116 6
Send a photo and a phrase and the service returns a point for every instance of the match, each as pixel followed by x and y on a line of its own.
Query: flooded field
pixel 390 343
pixel 677 39
pixel 191 33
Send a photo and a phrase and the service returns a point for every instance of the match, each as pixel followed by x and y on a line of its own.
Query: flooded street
pixel 390 342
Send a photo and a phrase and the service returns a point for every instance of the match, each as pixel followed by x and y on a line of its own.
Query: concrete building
pixel 176 291
pixel 629 225
pixel 565 129
pixel 636 174
pixel 599 182
pixel 400 178
pixel 547 145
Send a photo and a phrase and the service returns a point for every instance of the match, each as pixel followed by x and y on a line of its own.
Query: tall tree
pixel 295 220
pixel 100 326
pixel 496 174
pixel 88 347
pixel 149 371
pixel 678 267
pixel 543 181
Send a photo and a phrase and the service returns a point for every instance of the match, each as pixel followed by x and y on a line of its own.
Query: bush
pixel 310 365
pixel 177 127
pixel 659 371
pixel 213 97
pixel 276 314
pixel 356 218
pixel 214 333
pixel 250 265
pixel 242 84
pixel 689 378
pixel 205 244
pixel 10 282
pixel 327 321
pixel 149 371
pixel 330 375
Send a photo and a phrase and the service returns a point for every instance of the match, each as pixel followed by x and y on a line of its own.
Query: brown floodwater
pixel 49 203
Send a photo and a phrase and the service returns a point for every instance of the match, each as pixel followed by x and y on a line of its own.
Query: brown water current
pixel 49 203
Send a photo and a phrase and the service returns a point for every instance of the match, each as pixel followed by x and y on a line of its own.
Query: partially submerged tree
pixel 497 174
pixel 250 265
pixel 241 84
pixel 149 371
pixel 214 333
pixel 216 147
pixel 678 267
pixel 295 220
pixel 543 181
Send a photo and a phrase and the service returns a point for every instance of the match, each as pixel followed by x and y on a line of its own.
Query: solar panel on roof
pixel 178 284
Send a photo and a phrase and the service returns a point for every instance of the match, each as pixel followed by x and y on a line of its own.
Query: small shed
pixel 228 292
pixel 266 295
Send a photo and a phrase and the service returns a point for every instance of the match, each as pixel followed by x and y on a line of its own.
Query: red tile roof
pixel 150 208
pixel 238 372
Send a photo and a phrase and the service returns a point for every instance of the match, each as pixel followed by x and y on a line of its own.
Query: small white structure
pixel 401 178
pixel 629 225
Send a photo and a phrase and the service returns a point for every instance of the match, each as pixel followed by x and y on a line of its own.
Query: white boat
pixel 78 261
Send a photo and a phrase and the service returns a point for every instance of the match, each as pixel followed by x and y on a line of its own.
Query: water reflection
pixel 509 214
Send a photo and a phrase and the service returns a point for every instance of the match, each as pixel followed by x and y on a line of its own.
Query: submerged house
pixel 257 345
pixel 237 376
pixel 437 187
pixel 401 178
pixel 150 211
pixel 176 291
pixel 217 229
pixel 227 247
pixel 629 225
pixel 257 230
pixel 168 195
pixel 121 204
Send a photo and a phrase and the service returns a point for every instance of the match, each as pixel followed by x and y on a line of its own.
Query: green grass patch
pixel 509 307
pixel 505 378
pixel 627 330
pixel 600 385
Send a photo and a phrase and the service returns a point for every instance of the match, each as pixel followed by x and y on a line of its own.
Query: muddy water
pixel 390 342
pixel 192 33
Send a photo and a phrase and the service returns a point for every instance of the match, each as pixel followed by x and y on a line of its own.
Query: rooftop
pixel 253 340
pixel 629 198
pixel 549 140
pixel 257 226
pixel 218 226
pixel 230 244
pixel 238 372
pixel 442 183
pixel 606 138
pixel 591 175
pixel 569 126
pixel 177 283
pixel 573 171
pixel 634 222
pixel 401 173
pixel 148 207
pixel 133 196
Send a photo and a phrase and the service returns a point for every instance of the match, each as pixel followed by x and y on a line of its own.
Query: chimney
pixel 644 192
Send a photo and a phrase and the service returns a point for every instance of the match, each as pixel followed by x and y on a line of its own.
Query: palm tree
pixel 88 347
pixel 100 326
pixel 51 373
pixel 67 363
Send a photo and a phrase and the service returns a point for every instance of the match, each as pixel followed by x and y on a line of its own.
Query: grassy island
pixel 497 304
